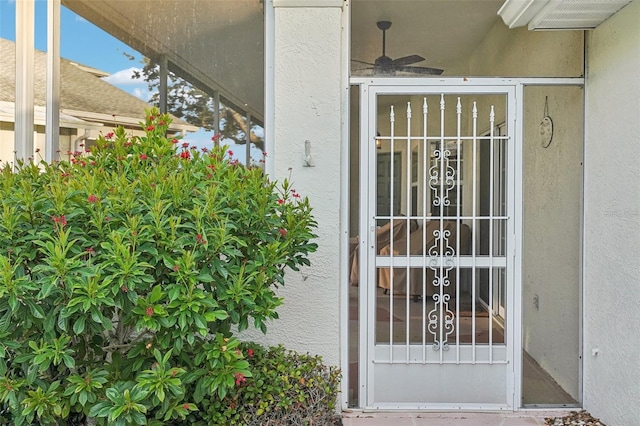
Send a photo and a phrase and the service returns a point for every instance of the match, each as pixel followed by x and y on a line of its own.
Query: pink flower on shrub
pixel 216 137
pixel 90 250
pixel 283 232
pixel 109 135
pixel 61 220
pixel 92 198
pixel 239 378
pixel 186 406
pixel 150 128
pixel 149 311
pixel 200 240
pixel 161 123
pixel 185 155
pixel 280 201
pixel 230 153
pixel 185 144
pixel 176 268
pixel 174 141
pixel 143 156
pixel 250 352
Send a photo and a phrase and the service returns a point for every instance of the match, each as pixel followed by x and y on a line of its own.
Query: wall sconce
pixel 378 141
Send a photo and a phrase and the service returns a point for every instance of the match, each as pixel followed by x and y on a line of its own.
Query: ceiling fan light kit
pixel 384 65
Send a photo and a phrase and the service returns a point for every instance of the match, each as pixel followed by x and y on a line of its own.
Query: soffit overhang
pixel 558 14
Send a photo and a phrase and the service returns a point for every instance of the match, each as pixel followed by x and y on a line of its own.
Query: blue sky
pixel 80 41
pixel 85 43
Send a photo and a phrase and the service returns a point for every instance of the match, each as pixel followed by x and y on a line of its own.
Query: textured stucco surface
pixel 612 220
pixel 522 53
pixel 308 107
pixel 552 220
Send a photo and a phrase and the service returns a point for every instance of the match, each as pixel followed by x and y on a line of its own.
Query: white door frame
pixel 444 85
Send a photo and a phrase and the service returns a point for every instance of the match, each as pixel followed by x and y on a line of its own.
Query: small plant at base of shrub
pixel 286 388
pixel 124 271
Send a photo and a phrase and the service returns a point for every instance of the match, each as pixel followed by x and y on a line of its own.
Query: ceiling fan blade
pixel 420 70
pixel 361 62
pixel 408 60
pixel 362 69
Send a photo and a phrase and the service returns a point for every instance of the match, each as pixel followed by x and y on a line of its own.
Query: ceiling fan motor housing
pixel 383 61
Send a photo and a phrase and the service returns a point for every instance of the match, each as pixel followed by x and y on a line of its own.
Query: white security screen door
pixel 437 281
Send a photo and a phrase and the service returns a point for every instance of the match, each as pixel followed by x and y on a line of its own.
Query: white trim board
pixel 308 3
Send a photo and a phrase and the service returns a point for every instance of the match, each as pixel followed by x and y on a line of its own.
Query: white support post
pixel 269 86
pixel 216 117
pixel 248 141
pixel 163 87
pixel 52 128
pixel 25 51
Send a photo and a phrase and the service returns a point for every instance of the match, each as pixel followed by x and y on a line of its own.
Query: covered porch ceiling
pixel 442 32
pixel 216 44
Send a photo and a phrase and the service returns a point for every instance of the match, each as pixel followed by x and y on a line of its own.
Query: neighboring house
pixel 479 252
pixel 88 106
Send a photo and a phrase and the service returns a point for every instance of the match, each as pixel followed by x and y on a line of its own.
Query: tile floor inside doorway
pixel 539 388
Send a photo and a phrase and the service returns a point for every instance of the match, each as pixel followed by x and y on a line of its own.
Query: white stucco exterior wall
pixel 612 220
pixel 308 99
pixel 552 221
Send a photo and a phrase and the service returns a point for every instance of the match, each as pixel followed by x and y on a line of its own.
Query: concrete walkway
pixel 519 418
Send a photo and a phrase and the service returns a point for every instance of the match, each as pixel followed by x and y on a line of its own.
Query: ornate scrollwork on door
pixel 441 254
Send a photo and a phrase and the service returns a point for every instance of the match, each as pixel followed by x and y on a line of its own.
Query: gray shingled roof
pixel 79 90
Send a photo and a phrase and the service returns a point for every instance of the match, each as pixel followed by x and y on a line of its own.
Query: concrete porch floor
pixel 519 418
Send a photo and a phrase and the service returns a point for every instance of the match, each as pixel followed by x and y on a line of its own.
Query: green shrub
pixel 124 270
pixel 286 388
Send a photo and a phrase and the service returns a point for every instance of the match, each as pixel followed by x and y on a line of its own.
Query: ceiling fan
pixel 384 65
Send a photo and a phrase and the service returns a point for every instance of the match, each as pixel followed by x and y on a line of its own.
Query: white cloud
pixel 123 77
pixel 80 19
pixel 142 93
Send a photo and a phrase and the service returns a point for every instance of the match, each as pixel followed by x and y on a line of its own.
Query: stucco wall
pixel 522 53
pixel 552 197
pixel 308 98
pixel 612 220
